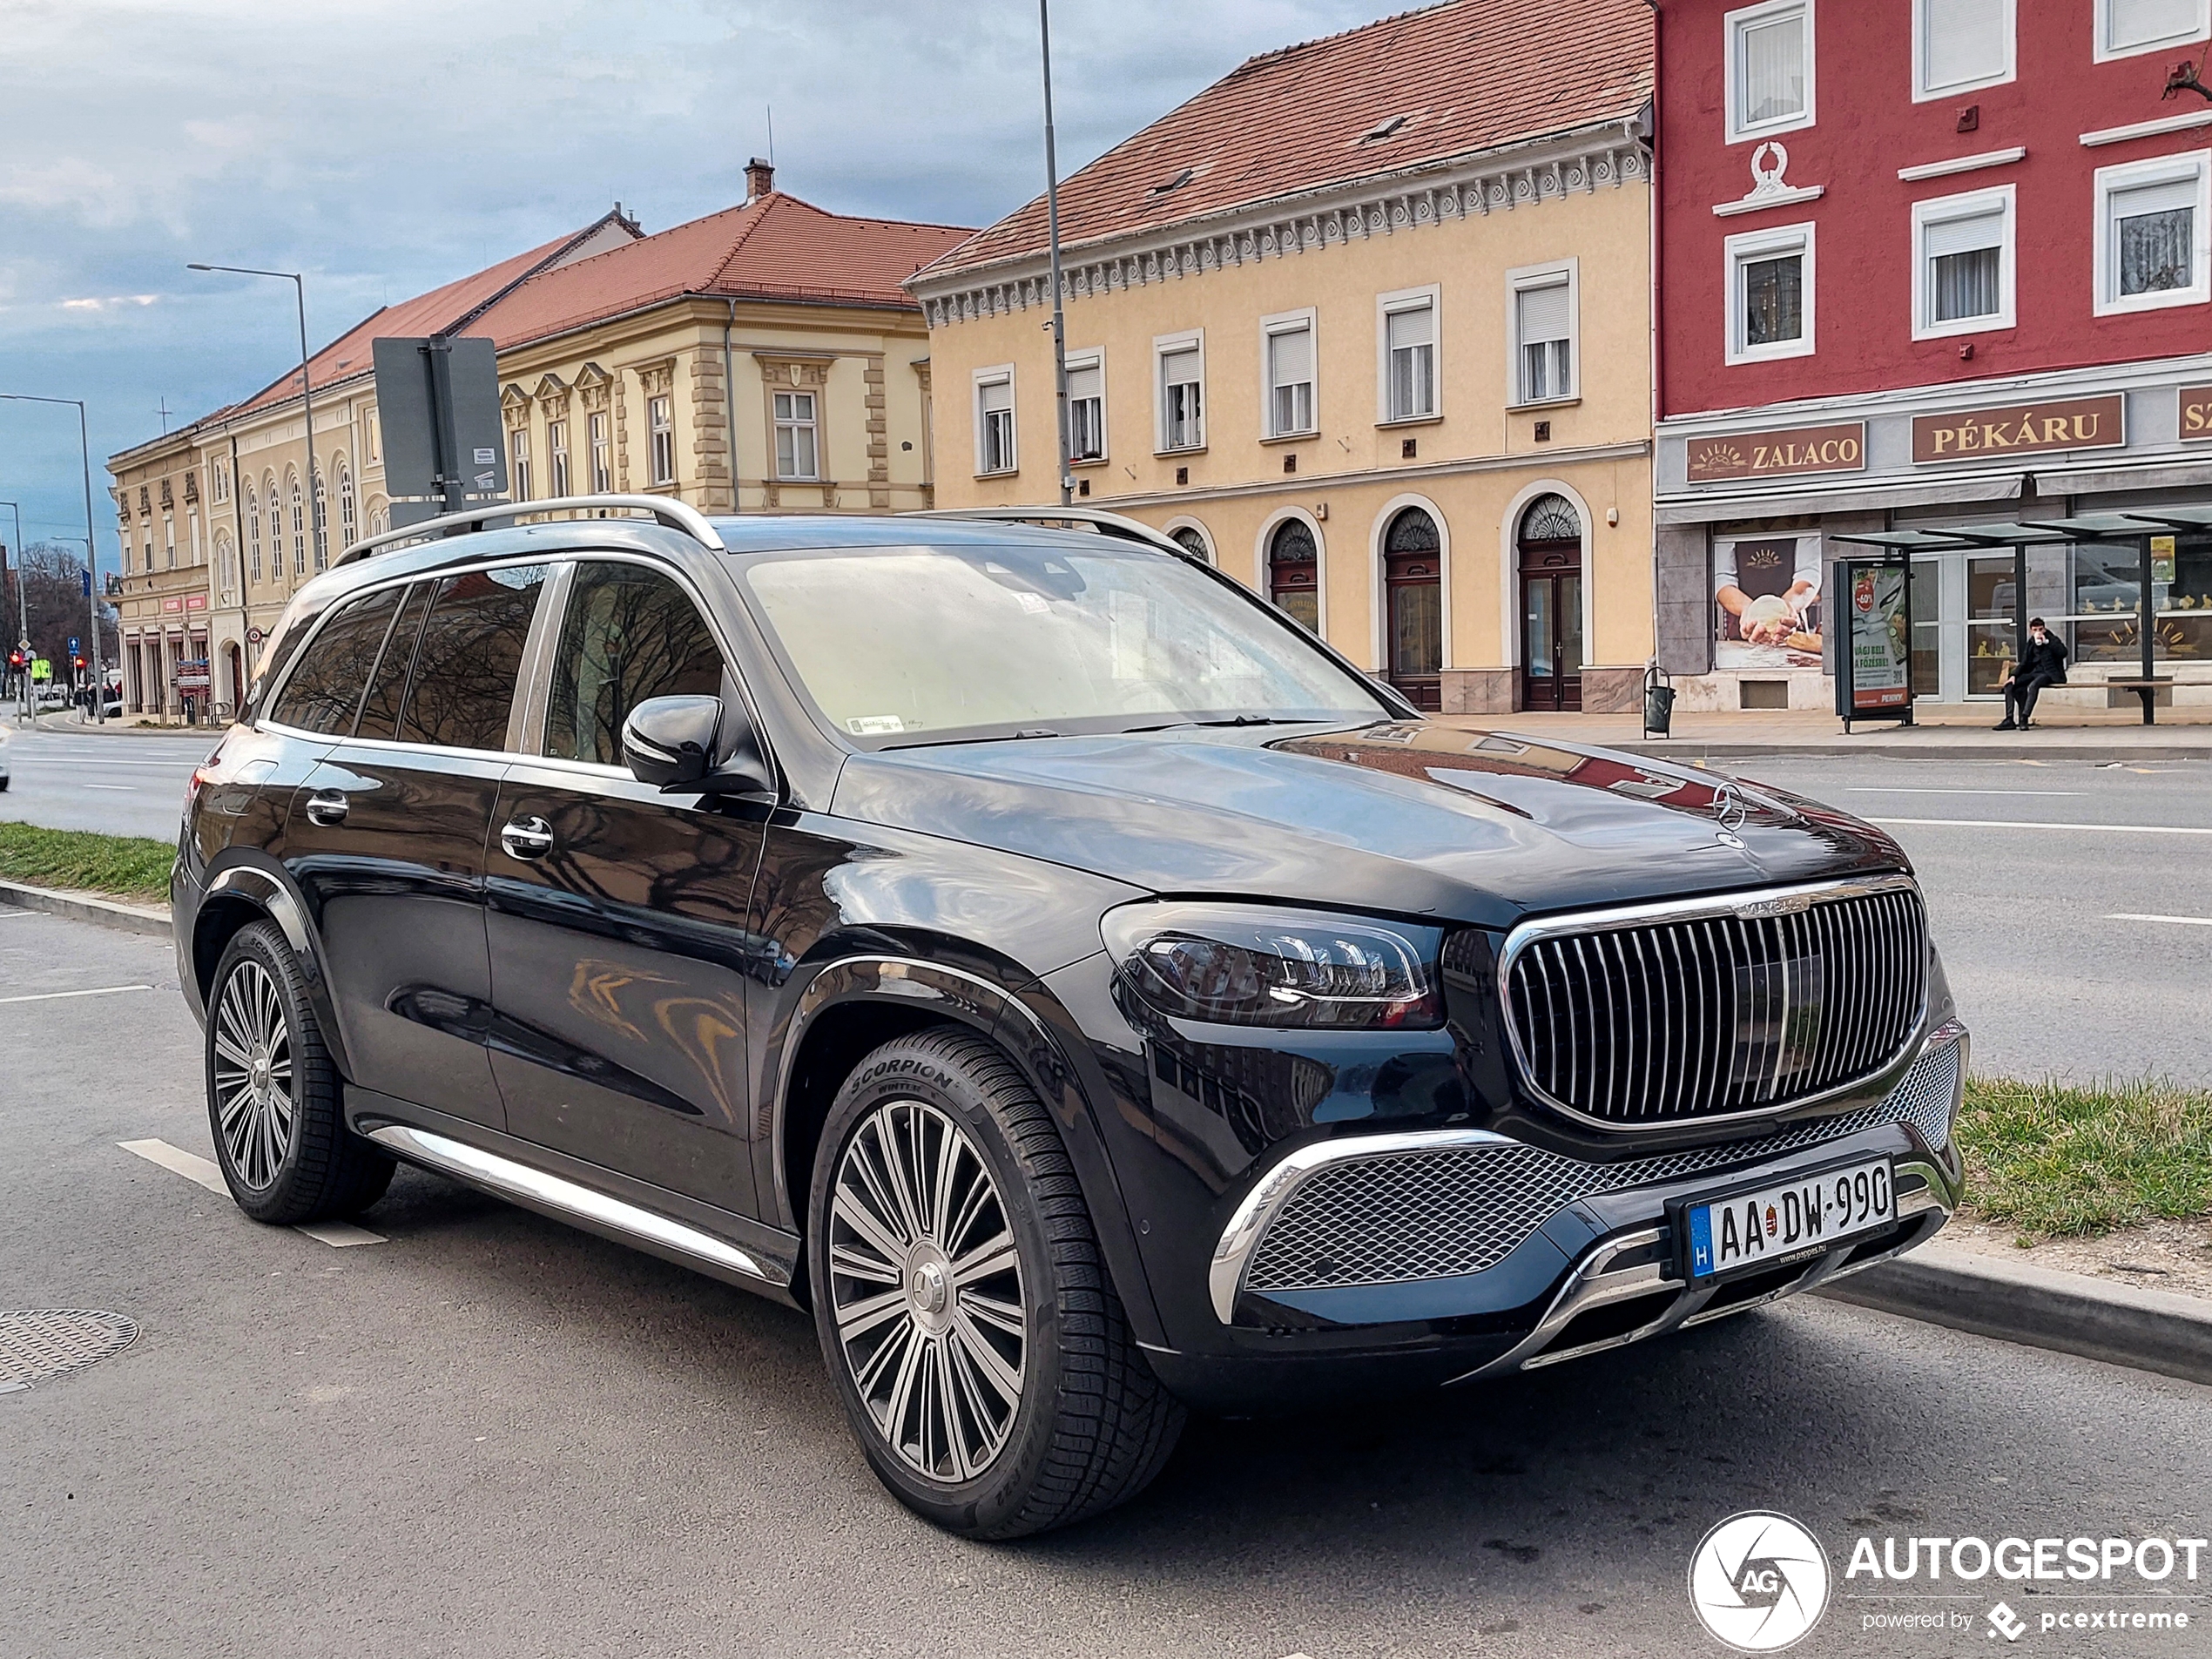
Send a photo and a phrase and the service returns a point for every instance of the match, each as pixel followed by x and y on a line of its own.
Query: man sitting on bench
pixel 2042 663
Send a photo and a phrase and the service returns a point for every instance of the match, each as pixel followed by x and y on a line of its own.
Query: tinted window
pixel 469 654
pixel 325 688
pixel 379 715
pixel 629 634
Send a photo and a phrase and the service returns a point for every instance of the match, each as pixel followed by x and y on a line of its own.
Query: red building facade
pixel 1924 262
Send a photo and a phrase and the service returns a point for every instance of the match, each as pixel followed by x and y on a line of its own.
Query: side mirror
pixel 671 743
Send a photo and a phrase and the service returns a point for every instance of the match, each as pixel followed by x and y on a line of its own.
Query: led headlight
pixel 1256 965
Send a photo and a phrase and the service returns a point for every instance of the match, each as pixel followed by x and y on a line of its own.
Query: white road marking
pixel 55 996
pixel 1878 789
pixel 1986 823
pixel 2183 922
pixel 121 788
pixel 340 1235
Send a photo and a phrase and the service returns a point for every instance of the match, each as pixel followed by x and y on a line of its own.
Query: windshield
pixel 896 645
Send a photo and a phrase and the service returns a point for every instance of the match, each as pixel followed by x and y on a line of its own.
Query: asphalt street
pixel 93 781
pixel 491 1434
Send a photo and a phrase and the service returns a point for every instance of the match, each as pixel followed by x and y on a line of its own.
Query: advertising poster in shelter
pixel 1766 602
pixel 1881 639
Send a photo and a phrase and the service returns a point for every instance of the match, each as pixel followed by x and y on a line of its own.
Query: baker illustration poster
pixel 1766 602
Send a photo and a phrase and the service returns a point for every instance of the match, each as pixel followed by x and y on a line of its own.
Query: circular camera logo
pixel 1759 1582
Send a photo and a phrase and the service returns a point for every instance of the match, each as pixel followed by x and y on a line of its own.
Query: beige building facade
pixel 1406 392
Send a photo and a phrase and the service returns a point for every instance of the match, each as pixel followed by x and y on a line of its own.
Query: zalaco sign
pixel 2026 429
pixel 2196 412
pixel 1841 447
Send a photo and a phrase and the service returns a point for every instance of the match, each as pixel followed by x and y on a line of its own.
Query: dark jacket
pixel 2045 662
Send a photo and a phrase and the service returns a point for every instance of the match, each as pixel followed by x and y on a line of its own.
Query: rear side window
pixel 379 716
pixel 469 658
pixel 629 634
pixel 325 688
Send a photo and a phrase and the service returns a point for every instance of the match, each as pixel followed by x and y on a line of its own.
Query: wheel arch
pixel 236 898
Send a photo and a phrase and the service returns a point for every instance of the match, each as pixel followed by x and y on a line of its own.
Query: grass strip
pixel 126 867
pixel 2064 1160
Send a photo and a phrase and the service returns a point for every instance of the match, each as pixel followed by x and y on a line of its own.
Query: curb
pixel 2042 1308
pixel 1697 749
pixel 150 919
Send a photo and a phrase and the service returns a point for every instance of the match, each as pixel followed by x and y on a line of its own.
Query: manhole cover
pixel 39 1343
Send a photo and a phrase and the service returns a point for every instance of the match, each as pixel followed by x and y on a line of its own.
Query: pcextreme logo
pixel 1758 1581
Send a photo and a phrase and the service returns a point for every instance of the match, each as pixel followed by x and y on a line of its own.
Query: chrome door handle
pixel 327 807
pixel 527 837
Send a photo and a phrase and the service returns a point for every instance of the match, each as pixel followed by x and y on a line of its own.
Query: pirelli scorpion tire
pixel 272 1094
pixel 965 1316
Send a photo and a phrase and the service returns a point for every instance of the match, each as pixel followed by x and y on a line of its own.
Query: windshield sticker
pixel 875 725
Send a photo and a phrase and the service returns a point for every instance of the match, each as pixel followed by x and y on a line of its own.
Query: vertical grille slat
pixel 1669 1020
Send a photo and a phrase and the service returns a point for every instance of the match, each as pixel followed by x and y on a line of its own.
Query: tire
pixel 273 1099
pixel 1088 1425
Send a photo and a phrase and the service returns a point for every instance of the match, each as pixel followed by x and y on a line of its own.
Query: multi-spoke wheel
pixel 975 1338
pixel 273 1099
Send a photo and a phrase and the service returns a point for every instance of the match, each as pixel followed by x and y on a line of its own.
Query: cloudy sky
pixel 385 146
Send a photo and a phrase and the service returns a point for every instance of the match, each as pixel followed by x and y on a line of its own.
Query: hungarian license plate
pixel 1789 1218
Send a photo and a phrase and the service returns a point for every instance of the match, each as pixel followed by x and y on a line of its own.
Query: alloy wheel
pixel 925 1288
pixel 253 1100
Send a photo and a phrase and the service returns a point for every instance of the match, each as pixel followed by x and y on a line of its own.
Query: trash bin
pixel 1658 702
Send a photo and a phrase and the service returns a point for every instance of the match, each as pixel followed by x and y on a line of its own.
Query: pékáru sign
pixel 2021 429
pixel 2196 413
pixel 1839 448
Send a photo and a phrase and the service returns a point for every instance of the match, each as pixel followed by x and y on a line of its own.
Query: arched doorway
pixel 1551 604
pixel 1413 607
pixel 235 693
pixel 1294 572
pixel 1193 541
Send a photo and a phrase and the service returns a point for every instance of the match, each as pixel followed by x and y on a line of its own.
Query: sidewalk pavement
pixel 1814 732
pixel 66 720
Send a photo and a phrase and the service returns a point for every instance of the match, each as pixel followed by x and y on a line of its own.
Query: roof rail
pixel 676 515
pixel 1105 523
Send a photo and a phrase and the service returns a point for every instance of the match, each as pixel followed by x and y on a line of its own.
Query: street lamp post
pixel 22 597
pixel 1052 221
pixel 91 547
pixel 306 395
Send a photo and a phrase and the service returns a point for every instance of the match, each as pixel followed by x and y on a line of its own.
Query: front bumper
pixel 1438 1257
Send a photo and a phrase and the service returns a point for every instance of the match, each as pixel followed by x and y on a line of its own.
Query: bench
pixel 2148 690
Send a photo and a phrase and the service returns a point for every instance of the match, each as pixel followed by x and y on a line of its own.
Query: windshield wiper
pixel 1234 719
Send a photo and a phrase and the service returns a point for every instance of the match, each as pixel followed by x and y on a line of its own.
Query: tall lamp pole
pixel 306 395
pixel 1052 223
pixel 91 548
pixel 22 597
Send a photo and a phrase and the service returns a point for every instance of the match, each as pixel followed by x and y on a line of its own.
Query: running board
pixel 569 1200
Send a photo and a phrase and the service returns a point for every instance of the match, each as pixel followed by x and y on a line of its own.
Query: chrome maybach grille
pixel 1716 1009
pixel 1434 1214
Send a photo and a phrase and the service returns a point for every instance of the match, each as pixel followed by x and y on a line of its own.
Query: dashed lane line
pixel 1990 823
pixel 2182 921
pixel 340 1235
pixel 55 996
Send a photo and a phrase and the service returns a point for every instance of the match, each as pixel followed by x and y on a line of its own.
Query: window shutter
pixel 1964 235
pixel 1290 356
pixel 1966 40
pixel 2139 22
pixel 998 395
pixel 1177 367
pixel 2165 196
pixel 1544 314
pixel 1416 326
pixel 1086 381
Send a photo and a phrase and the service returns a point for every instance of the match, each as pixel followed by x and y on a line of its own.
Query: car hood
pixel 1407 817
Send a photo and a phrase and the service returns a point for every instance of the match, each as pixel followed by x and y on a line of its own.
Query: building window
pixel 276 523
pixel 348 520
pixel 1769 278
pixel 1087 407
pixel 2153 220
pixel 1183 391
pixel 1406 342
pixel 1960 45
pixel 372 434
pixel 518 460
pixel 995 420
pixel 556 458
pixel 322 522
pixel 603 453
pixel 798 453
pixel 1964 262
pixel 1287 360
pixel 1769 69
pixel 253 535
pixel 2126 27
pixel 660 424
pixel 1543 323
pixel 1294 572
pixel 299 527
pixel 218 480
pixel 1194 542
pixel 169 538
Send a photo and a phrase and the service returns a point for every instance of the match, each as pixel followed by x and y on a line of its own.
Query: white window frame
pixel 1941 209
pixel 997 374
pixel 2129 176
pixel 1519 280
pixel 1165 345
pixel 1303 321
pixel 660 437
pixel 811 424
pixel 1095 357
pixel 1430 298
pixel 1738 251
pixel 1734 23
pixel 1922 92
pixel 2102 52
pixel 599 445
pixel 559 480
pixel 518 463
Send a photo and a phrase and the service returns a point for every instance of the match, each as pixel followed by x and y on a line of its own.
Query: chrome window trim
pixel 1755 902
pixel 1250 1221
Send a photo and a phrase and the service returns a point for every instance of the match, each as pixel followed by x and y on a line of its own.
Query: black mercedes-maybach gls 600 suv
pixel 1077 987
